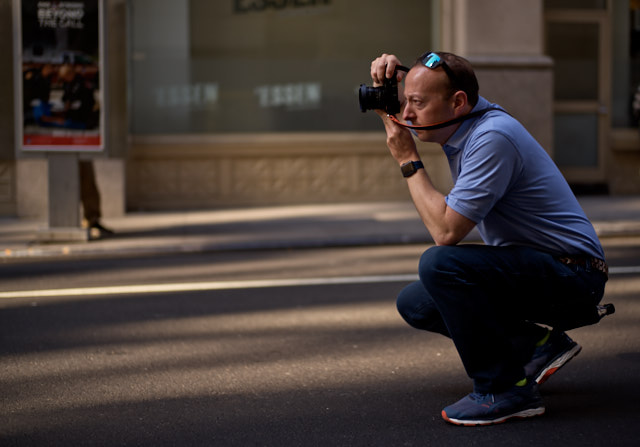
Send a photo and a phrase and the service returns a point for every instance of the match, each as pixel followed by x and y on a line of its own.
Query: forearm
pixel 446 226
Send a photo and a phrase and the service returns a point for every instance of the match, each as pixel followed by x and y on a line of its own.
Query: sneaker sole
pixel 478 422
pixel 557 363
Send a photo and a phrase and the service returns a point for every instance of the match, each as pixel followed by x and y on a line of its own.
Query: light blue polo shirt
pixel 508 185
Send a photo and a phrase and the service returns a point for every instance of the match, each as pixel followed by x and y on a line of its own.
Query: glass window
pixel 626 64
pixel 262 66
pixel 574 49
pixel 634 59
pixel 576 140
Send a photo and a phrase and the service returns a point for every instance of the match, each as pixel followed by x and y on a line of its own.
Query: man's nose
pixel 407 112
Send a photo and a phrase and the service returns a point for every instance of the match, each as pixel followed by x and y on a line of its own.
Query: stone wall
pixel 238 170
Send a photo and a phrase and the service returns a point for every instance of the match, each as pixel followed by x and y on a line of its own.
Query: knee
pixel 417 308
pixel 435 263
pixel 408 300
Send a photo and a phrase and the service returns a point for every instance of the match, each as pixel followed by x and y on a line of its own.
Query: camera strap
pixel 446 123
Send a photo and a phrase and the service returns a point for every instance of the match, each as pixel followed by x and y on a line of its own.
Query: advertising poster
pixel 59 64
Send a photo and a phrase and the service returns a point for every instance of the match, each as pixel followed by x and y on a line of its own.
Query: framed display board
pixel 59 75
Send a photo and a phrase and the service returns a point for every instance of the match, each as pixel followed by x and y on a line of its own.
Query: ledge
pixel 264 144
pixel 511 62
pixel 259 138
pixel 625 140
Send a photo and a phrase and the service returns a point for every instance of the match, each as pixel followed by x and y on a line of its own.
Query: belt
pixel 586 262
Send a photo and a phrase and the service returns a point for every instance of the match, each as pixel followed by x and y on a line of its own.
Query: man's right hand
pixel 383 68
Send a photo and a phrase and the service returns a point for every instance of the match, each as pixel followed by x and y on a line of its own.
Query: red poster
pixel 60 75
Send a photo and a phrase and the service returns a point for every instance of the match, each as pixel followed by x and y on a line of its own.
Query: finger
pixel 391 67
pixel 378 69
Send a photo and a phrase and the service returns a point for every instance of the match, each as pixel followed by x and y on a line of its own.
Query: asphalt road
pixel 296 348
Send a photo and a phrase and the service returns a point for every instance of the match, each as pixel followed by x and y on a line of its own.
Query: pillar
pixel 504 41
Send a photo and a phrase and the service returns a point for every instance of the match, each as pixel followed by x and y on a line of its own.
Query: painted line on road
pixel 624 270
pixel 204 286
pixel 228 285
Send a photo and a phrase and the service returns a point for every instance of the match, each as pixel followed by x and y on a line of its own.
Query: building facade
pixel 226 103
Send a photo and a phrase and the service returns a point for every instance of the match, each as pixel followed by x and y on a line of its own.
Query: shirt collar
pixel 457 140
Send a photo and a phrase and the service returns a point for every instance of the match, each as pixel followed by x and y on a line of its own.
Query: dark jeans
pixel 489 299
pixel 89 194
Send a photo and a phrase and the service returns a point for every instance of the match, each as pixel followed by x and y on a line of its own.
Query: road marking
pixel 624 270
pixel 203 286
pixel 228 285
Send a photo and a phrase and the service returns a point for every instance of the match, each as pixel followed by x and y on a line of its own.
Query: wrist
pixel 408 157
pixel 404 161
pixel 411 167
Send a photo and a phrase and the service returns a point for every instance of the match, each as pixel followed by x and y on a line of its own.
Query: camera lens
pixel 382 98
pixel 371 98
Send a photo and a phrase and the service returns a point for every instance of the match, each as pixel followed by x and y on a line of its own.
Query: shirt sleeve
pixel 489 165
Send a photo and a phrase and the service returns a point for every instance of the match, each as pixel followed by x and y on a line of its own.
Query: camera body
pixel 384 97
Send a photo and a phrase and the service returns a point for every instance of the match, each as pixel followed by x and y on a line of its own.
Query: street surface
pixel 276 348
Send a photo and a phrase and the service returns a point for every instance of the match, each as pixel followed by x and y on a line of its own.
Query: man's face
pixel 427 101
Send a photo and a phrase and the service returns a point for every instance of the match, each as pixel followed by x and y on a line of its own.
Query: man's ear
pixel 460 101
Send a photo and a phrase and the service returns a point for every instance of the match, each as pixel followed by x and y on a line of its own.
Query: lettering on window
pixel 193 95
pixel 303 95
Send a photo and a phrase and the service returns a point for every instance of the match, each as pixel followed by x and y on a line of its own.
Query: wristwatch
pixel 411 167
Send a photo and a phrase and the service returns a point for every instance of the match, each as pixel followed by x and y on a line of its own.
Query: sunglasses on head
pixel 433 61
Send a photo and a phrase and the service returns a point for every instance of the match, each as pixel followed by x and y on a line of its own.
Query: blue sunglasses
pixel 433 61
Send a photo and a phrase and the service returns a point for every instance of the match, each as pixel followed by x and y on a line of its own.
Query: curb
pixel 145 246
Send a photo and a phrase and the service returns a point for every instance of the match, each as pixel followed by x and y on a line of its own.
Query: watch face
pixel 408 169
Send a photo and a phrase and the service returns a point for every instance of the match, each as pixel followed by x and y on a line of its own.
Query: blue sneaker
pixel 551 356
pixel 488 409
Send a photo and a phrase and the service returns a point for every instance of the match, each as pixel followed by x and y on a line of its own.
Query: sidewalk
pixel 303 226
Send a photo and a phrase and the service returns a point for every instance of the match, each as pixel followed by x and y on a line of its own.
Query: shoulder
pixel 496 126
pixel 493 140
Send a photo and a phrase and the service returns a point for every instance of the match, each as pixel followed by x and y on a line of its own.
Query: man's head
pixel 458 70
pixel 66 73
pixel 439 87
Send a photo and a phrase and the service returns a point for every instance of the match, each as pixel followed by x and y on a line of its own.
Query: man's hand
pixel 400 142
pixel 383 68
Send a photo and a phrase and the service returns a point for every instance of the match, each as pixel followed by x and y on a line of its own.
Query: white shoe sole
pixel 473 423
pixel 557 364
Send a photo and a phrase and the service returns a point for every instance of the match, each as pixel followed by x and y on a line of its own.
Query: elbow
pixel 453 234
pixel 447 239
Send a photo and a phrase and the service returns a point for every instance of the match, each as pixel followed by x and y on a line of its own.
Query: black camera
pixel 384 97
